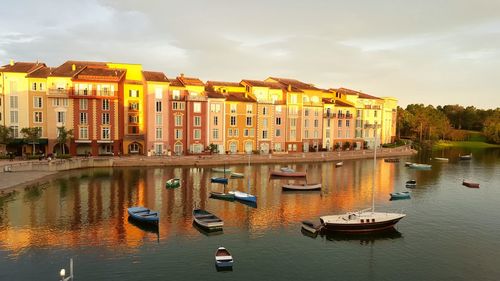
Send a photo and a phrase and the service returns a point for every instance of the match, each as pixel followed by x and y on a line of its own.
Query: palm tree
pixel 63 137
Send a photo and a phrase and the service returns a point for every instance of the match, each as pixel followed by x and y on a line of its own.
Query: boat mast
pixel 248 177
pixel 374 164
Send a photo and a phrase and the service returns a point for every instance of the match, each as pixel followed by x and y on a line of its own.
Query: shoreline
pixel 19 179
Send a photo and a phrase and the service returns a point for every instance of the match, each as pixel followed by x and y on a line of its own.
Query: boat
pixel 243 196
pixel 219 180
pixel 148 227
pixel 391 160
pixel 287 169
pixel 288 174
pixel 311 227
pixel 143 214
pixel 420 166
pixel 364 221
pixel 442 159
pixel 411 183
pixel 207 220
pixel 173 183
pixel 465 157
pixel 470 184
pixel 400 195
pixel 339 164
pixel 408 164
pixel 303 187
pixel 223 259
pixel 222 195
pixel 221 170
pixel 237 175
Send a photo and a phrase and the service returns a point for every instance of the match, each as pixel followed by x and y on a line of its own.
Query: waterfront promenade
pixel 21 173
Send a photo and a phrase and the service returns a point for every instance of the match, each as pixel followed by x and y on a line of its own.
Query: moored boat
pixel 287 169
pixel 420 166
pixel 411 183
pixel 219 180
pixel 237 175
pixel 339 164
pixel 207 220
pixel 302 187
pixel 470 184
pixel 391 160
pixel 173 183
pixel 400 195
pixel 311 227
pixel 221 170
pixel 222 195
pixel 243 196
pixel 288 174
pixel 223 259
pixel 465 157
pixel 407 164
pixel 361 222
pixel 442 159
pixel 143 214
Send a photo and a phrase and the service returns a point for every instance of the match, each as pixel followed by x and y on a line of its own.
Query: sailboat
pixel 247 197
pixel 364 221
pixel 221 195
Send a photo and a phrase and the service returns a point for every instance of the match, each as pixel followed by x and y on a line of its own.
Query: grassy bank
pixel 464 144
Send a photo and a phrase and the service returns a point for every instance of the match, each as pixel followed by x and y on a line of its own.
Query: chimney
pixel 182 74
pixel 73 67
pixel 289 88
pixel 11 62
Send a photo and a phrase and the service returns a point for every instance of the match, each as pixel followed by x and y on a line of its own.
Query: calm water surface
pixel 451 232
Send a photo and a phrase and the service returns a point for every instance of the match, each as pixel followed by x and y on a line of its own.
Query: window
pixel 328 123
pixel 305 99
pixel 278 109
pixel 235 132
pixel 15 131
pixel 358 113
pixel 306 123
pixel 197 121
pixel 38 117
pixel 233 120
pixel 316 112
pixel 197 107
pixel 197 134
pixel 33 86
pixel 316 123
pixel 105 104
pixel 13 102
pixel 293 99
pixel 245 132
pixel 159 133
pixel 178 134
pixel 233 108
pixel 230 132
pixel 277 133
pixel 278 120
pixel 84 133
pixel 249 109
pixel 83 118
pixel 178 106
pixel 60 102
pixel 264 110
pixel 133 106
pixel 316 134
pixel 61 117
pixel 158 106
pixel 293 122
pixel 249 121
pixel 327 134
pixel 216 120
pixel 264 134
pixel 264 123
pixel 306 112
pixel 358 123
pixel 159 120
pixel 105 118
pixel 176 95
pixel 339 134
pixel 105 133
pixel 339 123
pixel 133 93
pixel 158 93
pixel 215 107
pixel 215 134
pixel 347 134
pixel 104 90
pixel 133 119
pixel 14 117
pixel 347 123
pixel 178 120
pixel 375 113
pixel 37 102
pixel 84 104
pixel 306 134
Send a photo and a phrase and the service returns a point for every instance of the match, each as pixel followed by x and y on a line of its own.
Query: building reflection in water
pixel 89 207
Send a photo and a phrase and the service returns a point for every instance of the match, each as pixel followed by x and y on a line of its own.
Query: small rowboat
pixel 408 164
pixel 287 174
pixel 143 214
pixel 207 220
pixel 287 169
pixel 243 196
pixel 173 183
pixel 470 184
pixel 391 160
pixel 223 259
pixel 219 180
pixel 411 183
pixel 441 159
pixel 339 164
pixel 400 195
pixel 237 175
pixel 311 227
pixel 420 166
pixel 465 157
pixel 221 170
pixel 221 195
pixel 302 187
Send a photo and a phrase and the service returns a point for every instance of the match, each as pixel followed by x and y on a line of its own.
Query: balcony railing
pixel 330 115
pixel 348 116
pixel 60 92
pixel 196 98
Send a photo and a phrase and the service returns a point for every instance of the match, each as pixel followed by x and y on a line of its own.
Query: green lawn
pixel 464 144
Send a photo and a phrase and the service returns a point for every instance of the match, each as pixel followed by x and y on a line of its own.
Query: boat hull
pixel 174 183
pixel 144 216
pixel 242 196
pixel 471 184
pixel 220 180
pixel 362 227
pixel 223 196
pixel 207 220
pixel 305 187
pixel 288 174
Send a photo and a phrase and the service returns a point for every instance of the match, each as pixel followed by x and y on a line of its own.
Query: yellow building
pixel 37 103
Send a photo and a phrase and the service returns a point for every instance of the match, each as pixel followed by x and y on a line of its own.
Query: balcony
pixel 341 116
pixel 329 115
pixel 59 92
pixel 348 116
pixel 196 98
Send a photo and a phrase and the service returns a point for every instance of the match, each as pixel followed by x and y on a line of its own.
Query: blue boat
pixel 219 180
pixel 143 214
pixel 400 195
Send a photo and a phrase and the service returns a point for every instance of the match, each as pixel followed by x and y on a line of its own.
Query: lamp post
pixel 62 273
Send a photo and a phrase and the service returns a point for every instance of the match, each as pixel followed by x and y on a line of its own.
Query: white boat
pixel 223 258
pixel 364 221
pixel 339 164
pixel 441 159
pixel 420 166
pixel 287 170
pixel 207 220
pixel 304 186
pixel 235 175
pixel 411 183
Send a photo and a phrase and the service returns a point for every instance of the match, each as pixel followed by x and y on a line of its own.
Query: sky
pixel 429 51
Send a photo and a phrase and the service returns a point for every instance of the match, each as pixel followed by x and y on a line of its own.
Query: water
pixel 450 232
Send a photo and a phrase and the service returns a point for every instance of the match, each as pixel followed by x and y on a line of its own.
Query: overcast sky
pixel 437 52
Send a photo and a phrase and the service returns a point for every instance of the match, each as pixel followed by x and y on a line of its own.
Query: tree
pixel 63 137
pixel 213 148
pixel 346 145
pixel 5 134
pixel 31 135
pixel 492 127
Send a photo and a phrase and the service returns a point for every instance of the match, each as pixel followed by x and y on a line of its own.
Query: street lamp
pixel 62 273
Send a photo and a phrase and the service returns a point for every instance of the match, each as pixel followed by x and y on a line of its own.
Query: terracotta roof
pixel 22 67
pixel 295 83
pixel 258 83
pixel 215 95
pixel 42 72
pixel 155 76
pixel 175 82
pixel 343 104
pixel 65 69
pixel 328 101
pixel 99 73
pixel 359 94
pixel 240 97
pixel 192 81
pixel 221 83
